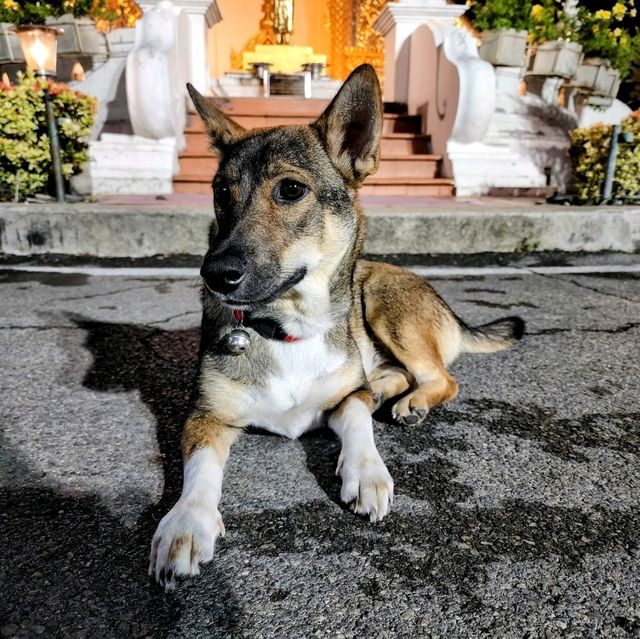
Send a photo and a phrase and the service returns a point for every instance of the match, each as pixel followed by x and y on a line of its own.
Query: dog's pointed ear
pixel 223 131
pixel 351 126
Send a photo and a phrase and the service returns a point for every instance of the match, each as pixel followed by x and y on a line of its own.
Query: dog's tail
pixel 494 336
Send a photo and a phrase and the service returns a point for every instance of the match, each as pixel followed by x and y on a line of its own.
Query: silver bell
pixel 238 341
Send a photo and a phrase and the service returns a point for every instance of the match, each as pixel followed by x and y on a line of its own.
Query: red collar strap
pixel 265 327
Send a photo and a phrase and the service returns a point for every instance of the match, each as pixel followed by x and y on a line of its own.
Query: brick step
pixel 252 118
pixel 397 166
pixel 398 123
pixel 408 166
pixel 437 187
pixel 252 121
pixel 287 104
pixel 433 187
pixel 254 113
pixel 196 144
pixel 294 107
pixel 406 169
pixel 198 166
pixel 191 185
pixel 392 144
pixel 405 144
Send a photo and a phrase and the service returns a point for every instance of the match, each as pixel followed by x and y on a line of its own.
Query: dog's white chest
pixel 291 401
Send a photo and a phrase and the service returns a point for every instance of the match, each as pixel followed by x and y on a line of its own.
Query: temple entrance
pixel 286 73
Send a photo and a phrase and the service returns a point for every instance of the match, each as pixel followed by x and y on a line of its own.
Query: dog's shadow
pixel 69 566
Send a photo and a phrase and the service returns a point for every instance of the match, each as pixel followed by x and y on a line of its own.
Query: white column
pixel 397 23
pixel 200 15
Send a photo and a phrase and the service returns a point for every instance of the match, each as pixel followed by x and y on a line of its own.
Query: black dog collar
pixel 266 327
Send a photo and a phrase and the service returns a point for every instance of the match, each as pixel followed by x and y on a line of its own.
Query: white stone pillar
pixel 397 22
pixel 201 15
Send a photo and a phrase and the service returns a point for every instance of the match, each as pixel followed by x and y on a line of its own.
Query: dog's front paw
pixel 366 485
pixel 408 412
pixel 184 539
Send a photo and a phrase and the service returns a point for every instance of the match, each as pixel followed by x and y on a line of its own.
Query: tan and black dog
pixel 295 329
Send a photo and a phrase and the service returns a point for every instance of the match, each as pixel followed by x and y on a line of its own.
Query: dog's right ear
pixel 351 126
pixel 223 131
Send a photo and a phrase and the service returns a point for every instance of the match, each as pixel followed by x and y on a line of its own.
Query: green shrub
pixel 25 156
pixel 549 21
pixel 489 15
pixel 108 14
pixel 612 34
pixel 589 151
pixel 37 11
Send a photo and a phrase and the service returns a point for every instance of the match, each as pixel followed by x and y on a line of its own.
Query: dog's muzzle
pixel 223 274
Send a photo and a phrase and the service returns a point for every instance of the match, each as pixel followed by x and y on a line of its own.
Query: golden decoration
pixel 115 14
pixel 339 26
pixel 354 40
pixel 266 35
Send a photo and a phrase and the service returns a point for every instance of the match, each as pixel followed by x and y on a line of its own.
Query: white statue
pixel 156 75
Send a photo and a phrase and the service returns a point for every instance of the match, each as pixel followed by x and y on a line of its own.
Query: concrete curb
pixel 103 230
pixel 504 230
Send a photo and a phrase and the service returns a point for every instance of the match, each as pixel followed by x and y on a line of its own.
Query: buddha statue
pixel 283 20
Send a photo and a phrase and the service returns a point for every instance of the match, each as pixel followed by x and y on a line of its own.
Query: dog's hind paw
pixel 367 486
pixel 184 539
pixel 407 414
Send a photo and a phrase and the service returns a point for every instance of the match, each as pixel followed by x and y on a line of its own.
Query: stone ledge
pixel 107 230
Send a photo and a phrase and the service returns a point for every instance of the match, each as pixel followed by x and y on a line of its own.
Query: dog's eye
pixel 221 194
pixel 290 191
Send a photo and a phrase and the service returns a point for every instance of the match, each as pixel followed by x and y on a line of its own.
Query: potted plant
pixel 610 40
pixel 10 50
pixel 80 36
pixel 553 34
pixel 83 22
pixel 503 25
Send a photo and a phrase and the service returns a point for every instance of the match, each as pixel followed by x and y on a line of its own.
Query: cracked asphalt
pixel 517 510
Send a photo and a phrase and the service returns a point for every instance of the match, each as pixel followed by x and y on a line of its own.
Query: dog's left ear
pixel 351 126
pixel 222 130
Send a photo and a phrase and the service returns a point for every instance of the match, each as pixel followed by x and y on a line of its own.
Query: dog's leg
pixel 186 535
pixel 388 381
pixel 366 482
pixel 435 387
pixel 421 332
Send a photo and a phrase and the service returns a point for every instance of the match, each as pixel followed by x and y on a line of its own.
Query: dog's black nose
pixel 223 274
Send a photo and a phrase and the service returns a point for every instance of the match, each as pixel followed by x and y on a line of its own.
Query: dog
pixel 296 330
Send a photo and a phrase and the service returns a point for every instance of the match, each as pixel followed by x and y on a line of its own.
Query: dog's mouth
pixel 246 305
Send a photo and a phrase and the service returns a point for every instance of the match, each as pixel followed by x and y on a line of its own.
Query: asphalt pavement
pixel 517 510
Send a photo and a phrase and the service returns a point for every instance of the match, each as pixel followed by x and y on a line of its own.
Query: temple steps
pixel 197 143
pixel 407 167
pixel 403 144
pixel 408 187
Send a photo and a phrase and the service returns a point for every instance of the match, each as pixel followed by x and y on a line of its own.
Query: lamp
pixel 40 48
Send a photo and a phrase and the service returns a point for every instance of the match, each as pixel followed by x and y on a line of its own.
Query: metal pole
pixel 607 186
pixel 55 147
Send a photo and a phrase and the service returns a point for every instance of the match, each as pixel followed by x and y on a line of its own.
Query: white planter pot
pixel 10 50
pixel 120 41
pixel 504 48
pixel 559 59
pixel 596 76
pixel 80 37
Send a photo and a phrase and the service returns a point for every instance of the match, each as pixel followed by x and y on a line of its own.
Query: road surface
pixel 517 510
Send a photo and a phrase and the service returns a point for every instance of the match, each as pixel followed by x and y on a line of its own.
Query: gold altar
pixel 282 58
pixel 346 36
